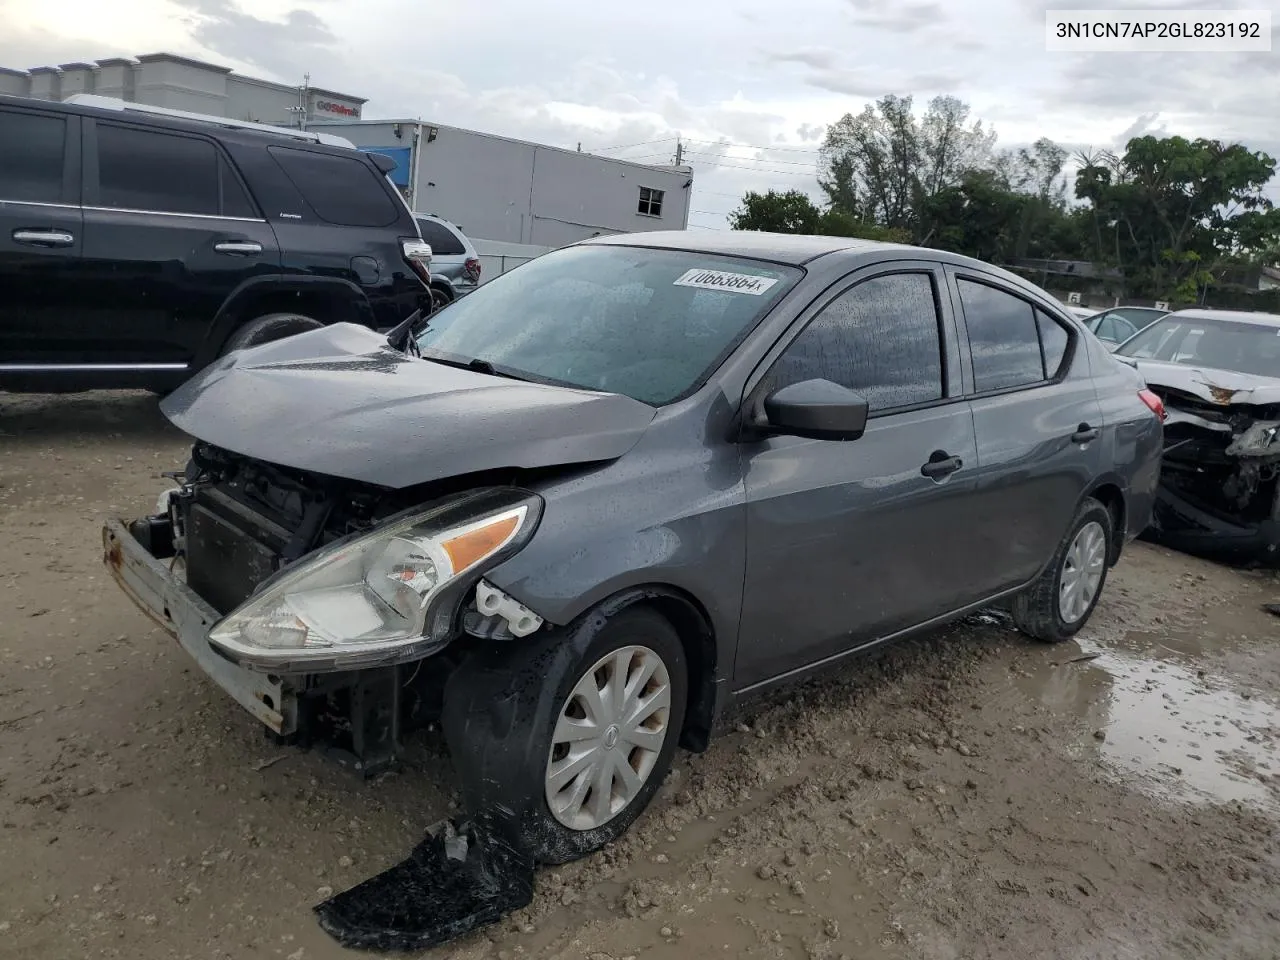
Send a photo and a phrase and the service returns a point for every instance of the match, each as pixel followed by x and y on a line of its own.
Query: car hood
pixel 1211 385
pixel 339 401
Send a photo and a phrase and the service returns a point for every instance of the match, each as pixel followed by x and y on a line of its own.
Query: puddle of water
pixel 1182 735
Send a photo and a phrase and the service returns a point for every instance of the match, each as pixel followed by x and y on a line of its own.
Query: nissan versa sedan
pixel 593 504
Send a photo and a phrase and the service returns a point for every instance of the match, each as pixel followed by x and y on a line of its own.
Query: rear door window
pixel 32 149
pixel 152 171
pixel 1012 344
pixel 344 191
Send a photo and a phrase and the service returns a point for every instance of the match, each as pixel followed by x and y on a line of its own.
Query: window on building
pixel 31 148
pixel 341 190
pixel 880 338
pixel 1012 343
pixel 651 202
pixel 145 170
pixel 441 238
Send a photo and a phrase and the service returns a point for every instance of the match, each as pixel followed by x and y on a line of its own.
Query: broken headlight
pixel 381 597
pixel 1262 439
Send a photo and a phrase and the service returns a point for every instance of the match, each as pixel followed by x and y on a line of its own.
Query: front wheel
pixel 572 735
pixel 1059 603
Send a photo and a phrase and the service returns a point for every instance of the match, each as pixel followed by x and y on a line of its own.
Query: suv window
pixel 1005 339
pixel 341 190
pixel 147 170
pixel 880 338
pixel 31 157
pixel 443 241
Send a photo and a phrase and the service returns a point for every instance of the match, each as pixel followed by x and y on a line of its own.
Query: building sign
pixel 328 106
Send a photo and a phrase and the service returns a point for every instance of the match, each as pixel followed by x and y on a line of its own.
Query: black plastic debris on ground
pixel 460 878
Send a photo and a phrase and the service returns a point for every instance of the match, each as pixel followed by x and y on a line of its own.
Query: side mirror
pixel 817 409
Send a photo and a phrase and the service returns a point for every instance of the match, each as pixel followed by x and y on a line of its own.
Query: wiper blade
pixel 478 364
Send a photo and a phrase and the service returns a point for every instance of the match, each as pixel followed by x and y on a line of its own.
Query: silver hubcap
pixel 1082 572
pixel 608 735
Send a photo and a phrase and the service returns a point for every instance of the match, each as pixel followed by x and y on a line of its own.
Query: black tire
pixel 500 711
pixel 1037 611
pixel 440 298
pixel 272 326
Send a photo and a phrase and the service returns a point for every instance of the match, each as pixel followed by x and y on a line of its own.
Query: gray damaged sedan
pixel 593 504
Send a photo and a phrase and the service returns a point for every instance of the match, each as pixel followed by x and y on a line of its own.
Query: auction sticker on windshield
pixel 729 282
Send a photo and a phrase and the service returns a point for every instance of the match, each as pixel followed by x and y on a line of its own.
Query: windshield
pixel 648 324
pixel 1251 348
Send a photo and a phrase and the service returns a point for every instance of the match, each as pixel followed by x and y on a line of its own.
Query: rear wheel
pixel 1061 600
pixel 440 297
pixel 271 326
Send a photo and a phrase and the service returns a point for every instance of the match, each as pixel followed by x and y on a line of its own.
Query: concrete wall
pixel 496 257
pixel 180 83
pixel 506 190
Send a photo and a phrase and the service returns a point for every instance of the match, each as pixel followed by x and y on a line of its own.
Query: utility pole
pixel 679 150
pixel 301 108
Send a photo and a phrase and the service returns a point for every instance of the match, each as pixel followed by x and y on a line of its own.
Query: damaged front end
pixel 1219 494
pixel 328 608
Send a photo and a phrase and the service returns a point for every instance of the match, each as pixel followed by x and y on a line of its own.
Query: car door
pixel 170 231
pixel 848 542
pixel 41 277
pixel 1038 423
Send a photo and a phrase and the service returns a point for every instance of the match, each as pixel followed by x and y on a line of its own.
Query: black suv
pixel 138 245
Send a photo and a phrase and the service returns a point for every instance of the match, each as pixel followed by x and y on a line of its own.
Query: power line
pixel 626 146
pixel 786 173
pixel 791 163
pixel 756 146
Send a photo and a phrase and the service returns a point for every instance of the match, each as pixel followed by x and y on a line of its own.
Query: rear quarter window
pixel 441 238
pixel 344 191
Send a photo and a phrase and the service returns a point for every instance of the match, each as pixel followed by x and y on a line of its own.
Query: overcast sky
pixel 765 76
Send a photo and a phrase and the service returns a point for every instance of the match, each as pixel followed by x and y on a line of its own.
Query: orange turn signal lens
pixel 469 548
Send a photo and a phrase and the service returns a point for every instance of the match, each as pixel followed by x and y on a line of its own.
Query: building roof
pixel 409 122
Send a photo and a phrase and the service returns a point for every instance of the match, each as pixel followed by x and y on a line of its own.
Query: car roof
pixel 223 128
pixel 1237 316
pixel 793 249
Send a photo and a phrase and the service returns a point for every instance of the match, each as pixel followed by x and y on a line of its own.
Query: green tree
pixel 1172 212
pixel 884 164
pixel 774 212
pixel 794 212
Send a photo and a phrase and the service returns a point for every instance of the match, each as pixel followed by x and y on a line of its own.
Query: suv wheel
pixel 272 326
pixel 572 736
pixel 1059 603
pixel 440 297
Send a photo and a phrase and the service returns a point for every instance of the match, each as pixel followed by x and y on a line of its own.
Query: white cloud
pixel 742 71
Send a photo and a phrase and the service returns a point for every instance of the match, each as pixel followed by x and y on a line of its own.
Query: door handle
pixel 1084 433
pixel 239 248
pixel 941 465
pixel 44 238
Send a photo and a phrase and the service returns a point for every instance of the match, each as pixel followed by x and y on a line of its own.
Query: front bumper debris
pixel 162 596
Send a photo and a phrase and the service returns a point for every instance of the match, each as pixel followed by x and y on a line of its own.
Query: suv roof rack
pixel 114 103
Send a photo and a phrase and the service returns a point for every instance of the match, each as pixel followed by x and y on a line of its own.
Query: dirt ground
pixel 967 795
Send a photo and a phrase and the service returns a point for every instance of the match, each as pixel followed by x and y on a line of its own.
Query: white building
pixel 514 192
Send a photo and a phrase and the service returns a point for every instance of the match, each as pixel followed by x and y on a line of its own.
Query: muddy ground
pixel 966 795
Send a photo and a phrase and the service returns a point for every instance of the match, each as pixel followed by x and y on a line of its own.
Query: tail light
pixel 417 254
pixel 472 267
pixel 1154 403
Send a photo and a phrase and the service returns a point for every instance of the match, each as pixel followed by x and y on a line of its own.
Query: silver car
pixel 455 265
